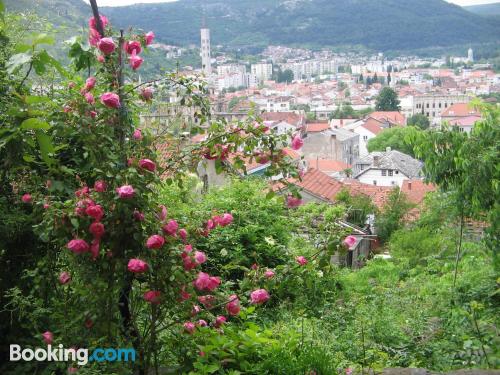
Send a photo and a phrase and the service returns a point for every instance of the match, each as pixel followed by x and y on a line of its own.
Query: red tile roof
pixel 289 117
pixel 416 190
pixel 465 121
pixel 327 165
pixel 317 127
pixel 391 116
pixel 372 126
pixel 378 194
pixel 460 110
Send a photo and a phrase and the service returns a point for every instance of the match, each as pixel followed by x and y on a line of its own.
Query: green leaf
pixel 34 124
pixel 46 147
pixel 17 61
pixel 43 39
pixel 75 223
pixel 36 99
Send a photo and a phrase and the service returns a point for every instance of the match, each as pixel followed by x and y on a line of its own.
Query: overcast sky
pixel 128 2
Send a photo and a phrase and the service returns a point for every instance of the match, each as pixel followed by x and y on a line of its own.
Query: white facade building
pixel 263 71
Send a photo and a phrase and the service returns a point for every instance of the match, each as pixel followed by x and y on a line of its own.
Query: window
pixel 433 105
pixel 439 105
pixel 393 183
pixel 391 173
pixel 365 138
pixel 374 182
pixel 384 172
pixel 397 172
pixel 427 105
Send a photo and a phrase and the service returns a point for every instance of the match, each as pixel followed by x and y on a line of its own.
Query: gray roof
pixel 341 134
pixel 392 159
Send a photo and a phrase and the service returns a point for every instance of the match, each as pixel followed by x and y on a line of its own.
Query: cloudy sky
pixel 128 2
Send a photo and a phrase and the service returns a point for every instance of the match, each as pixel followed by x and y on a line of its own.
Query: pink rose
pixel 171 228
pixel 195 310
pixel 147 94
pixel 93 114
pixel 95 212
pixel 101 58
pixel 184 296
pixel 26 198
pixel 301 260
pixel 89 98
pixel 208 301
pixel 100 186
pixel 189 264
pixel 233 306
pixel 162 215
pixel 137 135
pixel 90 83
pixel 110 100
pixel 348 371
pixel 183 234
pixel 297 142
pixel 133 47
pixel 269 274
pixel 147 164
pixel 135 61
pixel 153 297
pixel 189 327
pixel 93 23
pixel 106 46
pixel 48 337
pixel 97 229
pixel 200 257
pixel 46 206
pixel 137 266
pixel 206 282
pixel 94 248
pixel 94 37
pixel 219 321
pixel 226 220
pixel 125 192
pixel 64 278
pixel 188 248
pixel 210 224
pixel 349 241
pixel 202 323
pixel 259 296
pixel 138 216
pixel 293 202
pixel 155 242
pixel 149 37
pixel 78 246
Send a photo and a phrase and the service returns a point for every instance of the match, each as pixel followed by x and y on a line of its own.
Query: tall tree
pixel 419 120
pixel 387 100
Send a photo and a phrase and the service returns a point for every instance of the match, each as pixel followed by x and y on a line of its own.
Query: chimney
pixel 376 161
pixel 409 185
pixel 388 149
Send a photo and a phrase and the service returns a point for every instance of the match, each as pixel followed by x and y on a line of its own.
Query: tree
pixel 375 78
pixel 389 78
pixel 361 78
pixel 419 120
pixel 283 76
pixel 393 214
pixel 387 100
pixel 395 138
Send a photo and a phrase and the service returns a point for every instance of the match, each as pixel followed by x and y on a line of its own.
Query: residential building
pixel 263 71
pixel 432 105
pixel 389 168
pixel 335 144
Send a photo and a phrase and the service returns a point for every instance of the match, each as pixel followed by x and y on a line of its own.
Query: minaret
pixel 470 55
pixel 206 58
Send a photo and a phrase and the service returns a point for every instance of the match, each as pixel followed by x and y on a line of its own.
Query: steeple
pixel 206 58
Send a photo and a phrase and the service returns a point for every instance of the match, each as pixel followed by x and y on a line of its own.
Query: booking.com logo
pixel 61 354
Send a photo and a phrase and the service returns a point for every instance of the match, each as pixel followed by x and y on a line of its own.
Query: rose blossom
pixel 206 282
pixel 110 100
pixel 155 242
pixel 48 337
pixel 106 46
pixel 137 266
pixel 269 274
pixel 233 306
pixel 94 248
pixel 147 164
pixel 293 202
pixel 153 297
pixel 95 211
pixel 301 260
pixel 97 229
pixel 147 94
pixel 297 142
pixel 137 135
pixel 133 47
pixel 259 296
pixel 183 234
pixel 135 61
pixel 189 327
pixel 202 323
pixel 90 83
pixel 226 219
pixel 208 301
pixel 101 58
pixel 64 278
pixel 93 23
pixel 195 310
pixel 219 321
pixel 89 98
pixel 26 198
pixel 93 114
pixel 149 37
pixel 100 186
pixel 78 246
pixel 200 257
pixel 138 216
pixel 171 228
pixel 349 241
pixel 94 37
pixel 125 191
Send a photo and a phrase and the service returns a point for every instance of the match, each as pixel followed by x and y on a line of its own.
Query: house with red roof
pixel 461 115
